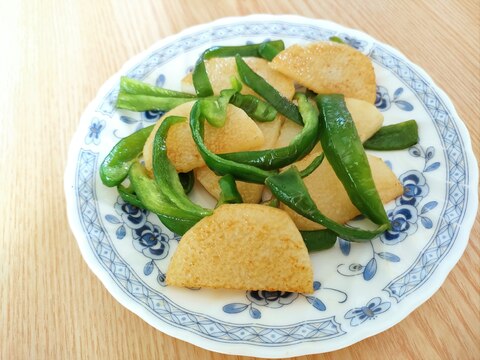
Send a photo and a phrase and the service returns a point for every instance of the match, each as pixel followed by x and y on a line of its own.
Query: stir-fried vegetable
pixel 201 82
pixel 289 188
pixel 267 91
pixel 300 146
pixel 344 151
pixel 229 192
pixel 147 191
pixel 219 165
pixel 394 137
pixel 114 168
pixel 165 174
pixel 319 240
pixel 332 125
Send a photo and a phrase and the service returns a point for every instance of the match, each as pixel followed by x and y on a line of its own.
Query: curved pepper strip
pixel 300 145
pixel 267 91
pixel 215 108
pixel 147 191
pixel 229 193
pixel 129 196
pixel 255 108
pixel 202 84
pixel 344 151
pixel 289 188
pixel 219 165
pixel 312 166
pixel 135 87
pixel 394 137
pixel 149 102
pixel 165 173
pixel 114 168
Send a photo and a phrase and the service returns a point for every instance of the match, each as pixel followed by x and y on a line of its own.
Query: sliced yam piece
pixel 239 133
pixel 271 131
pixel 330 196
pixel 328 67
pixel 244 247
pixel 368 120
pixel 220 70
pixel 251 193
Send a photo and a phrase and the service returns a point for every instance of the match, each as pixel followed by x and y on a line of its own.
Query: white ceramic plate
pixel 361 289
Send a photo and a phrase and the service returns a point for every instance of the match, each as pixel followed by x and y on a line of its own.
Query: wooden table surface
pixel 54 55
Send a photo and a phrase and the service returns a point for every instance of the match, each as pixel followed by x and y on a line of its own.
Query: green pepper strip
pixel 394 137
pixel 344 151
pixel 267 91
pixel 202 84
pixel 312 166
pixel 229 193
pixel 319 240
pixel 114 168
pixel 268 50
pixel 147 191
pixel 300 145
pixel 187 180
pixel 289 188
pixel 148 102
pixel 215 108
pixel 255 108
pixel 135 87
pixel 165 174
pixel 129 196
pixel 219 165
pixel 337 39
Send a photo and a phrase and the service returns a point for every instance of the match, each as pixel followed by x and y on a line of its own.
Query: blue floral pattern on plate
pixel 127 247
pixel 374 307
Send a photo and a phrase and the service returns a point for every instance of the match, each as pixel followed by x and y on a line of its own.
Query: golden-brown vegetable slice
pixel 330 195
pixel 244 247
pixel 239 133
pixel 251 193
pixel 328 67
pixel 368 120
pixel 220 70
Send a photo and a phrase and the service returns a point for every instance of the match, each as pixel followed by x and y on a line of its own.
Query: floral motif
pixel 404 222
pixel 147 237
pixel 94 130
pixel 277 299
pixel 132 216
pixel 415 188
pixel 383 101
pixel 374 307
pixel 271 299
pixel 150 241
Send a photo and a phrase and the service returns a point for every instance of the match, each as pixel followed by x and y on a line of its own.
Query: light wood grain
pixel 54 55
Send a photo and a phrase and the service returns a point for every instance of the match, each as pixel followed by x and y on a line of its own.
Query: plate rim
pixel 441 272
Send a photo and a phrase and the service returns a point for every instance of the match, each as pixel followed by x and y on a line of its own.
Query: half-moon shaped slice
pixel 243 247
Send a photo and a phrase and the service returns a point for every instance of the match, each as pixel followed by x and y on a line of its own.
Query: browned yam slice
pixel 328 67
pixel 251 193
pixel 332 199
pixel 220 70
pixel 238 134
pixel 368 120
pixel 244 247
